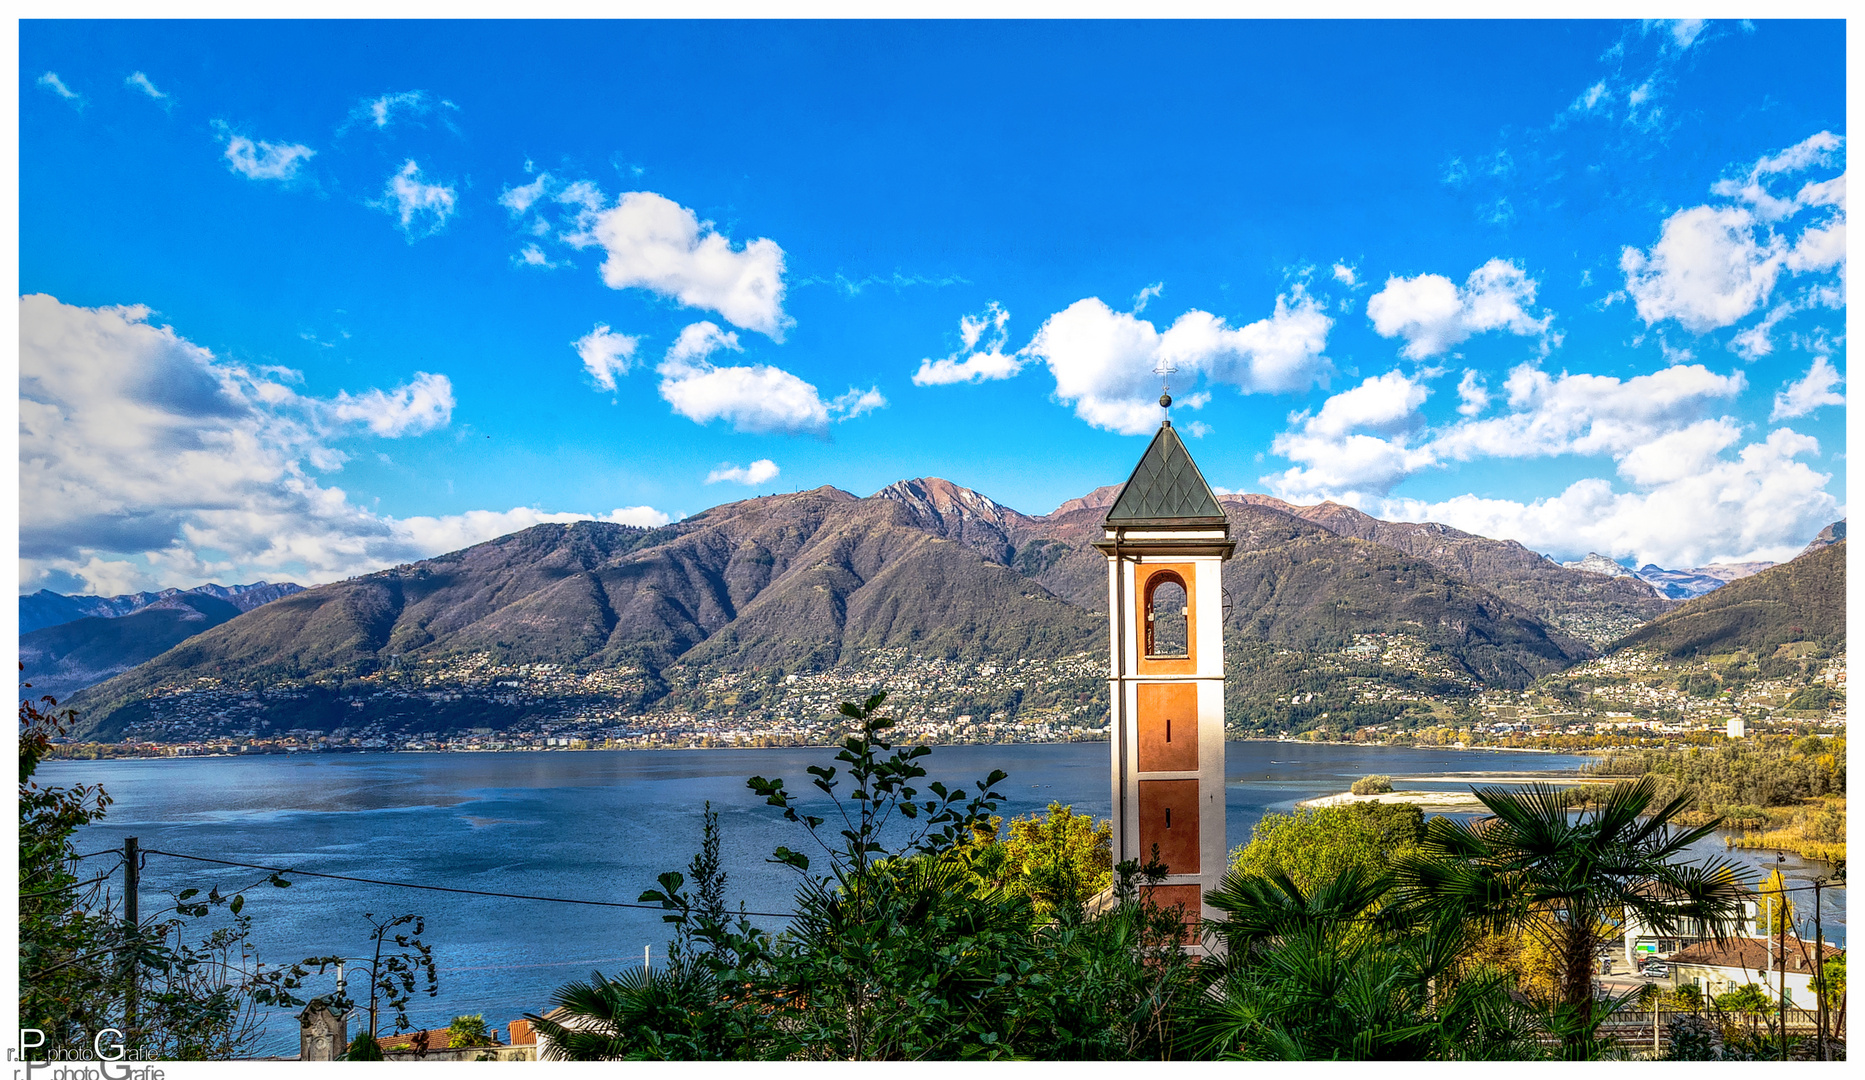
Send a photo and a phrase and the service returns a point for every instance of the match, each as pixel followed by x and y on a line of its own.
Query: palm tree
pixel 1332 974
pixel 1569 878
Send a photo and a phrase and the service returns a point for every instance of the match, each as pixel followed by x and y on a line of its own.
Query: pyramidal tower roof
pixel 1166 486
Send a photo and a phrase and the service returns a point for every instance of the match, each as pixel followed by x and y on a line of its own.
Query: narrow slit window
pixel 1168 729
pixel 1167 617
pixel 1168 817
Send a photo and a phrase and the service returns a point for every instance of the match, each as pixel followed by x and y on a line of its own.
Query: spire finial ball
pixel 1165 401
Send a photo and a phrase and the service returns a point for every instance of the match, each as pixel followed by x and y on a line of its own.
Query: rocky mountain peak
pixel 1599 564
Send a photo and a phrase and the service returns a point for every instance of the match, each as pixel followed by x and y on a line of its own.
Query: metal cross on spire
pixel 1163 369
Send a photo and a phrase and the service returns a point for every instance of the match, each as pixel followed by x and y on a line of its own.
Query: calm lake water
pixel 594 825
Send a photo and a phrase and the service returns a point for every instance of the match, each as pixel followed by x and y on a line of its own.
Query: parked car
pixel 1657 969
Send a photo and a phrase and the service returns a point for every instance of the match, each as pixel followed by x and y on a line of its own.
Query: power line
pixel 105 876
pixel 437 888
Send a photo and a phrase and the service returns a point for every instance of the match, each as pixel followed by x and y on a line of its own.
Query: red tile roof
pixel 1751 954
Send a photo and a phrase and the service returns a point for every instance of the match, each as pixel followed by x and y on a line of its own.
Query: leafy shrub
pixel 1372 785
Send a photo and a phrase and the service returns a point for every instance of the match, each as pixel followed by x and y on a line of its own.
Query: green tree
pixel 468 1031
pixel 1059 859
pixel 1567 877
pixel 1316 846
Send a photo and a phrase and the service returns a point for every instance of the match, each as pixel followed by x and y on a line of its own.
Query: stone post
pixel 322 1034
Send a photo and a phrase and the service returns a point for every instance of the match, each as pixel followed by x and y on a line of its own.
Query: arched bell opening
pixel 1168 617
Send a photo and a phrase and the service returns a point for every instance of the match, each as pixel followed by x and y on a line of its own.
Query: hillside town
pixel 1626 698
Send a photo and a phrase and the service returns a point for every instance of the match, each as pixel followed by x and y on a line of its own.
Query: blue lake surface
pixel 597 825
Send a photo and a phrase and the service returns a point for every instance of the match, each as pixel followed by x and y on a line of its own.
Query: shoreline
pixel 795 746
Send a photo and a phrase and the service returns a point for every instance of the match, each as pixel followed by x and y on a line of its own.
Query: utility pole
pixel 1780 994
pixel 132 922
pixel 1819 970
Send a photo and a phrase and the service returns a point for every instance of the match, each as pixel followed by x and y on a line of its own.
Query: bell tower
pixel 1166 539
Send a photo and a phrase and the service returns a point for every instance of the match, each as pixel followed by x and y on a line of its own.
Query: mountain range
pixel 47 608
pixel 1680 584
pixel 818 579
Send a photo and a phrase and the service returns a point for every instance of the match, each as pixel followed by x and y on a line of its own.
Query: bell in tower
pixel 1166 539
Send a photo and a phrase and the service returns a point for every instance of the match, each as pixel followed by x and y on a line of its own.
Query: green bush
pixel 1372 785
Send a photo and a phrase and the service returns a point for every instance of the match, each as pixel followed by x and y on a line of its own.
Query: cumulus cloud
pixel 1336 456
pixel 1434 315
pixel 1810 392
pixel 260 160
pixel 422 405
pixel 753 398
pixel 1472 394
pixel 146 462
pixel 421 208
pixel 992 329
pixel 654 243
pixel 1714 265
pixel 1346 275
pixel 1104 361
pixel 750 475
pixel 1762 503
pixel 605 354
pixel 1692 492
pixel 138 81
pixel 1364 441
pixel 56 85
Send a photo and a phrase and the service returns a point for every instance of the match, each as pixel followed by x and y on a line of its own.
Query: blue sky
pixel 302 300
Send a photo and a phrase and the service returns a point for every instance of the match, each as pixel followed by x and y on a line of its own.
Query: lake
pixel 596 825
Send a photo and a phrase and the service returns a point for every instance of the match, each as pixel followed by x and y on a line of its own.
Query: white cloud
pixel 532 255
pixel 1346 275
pixel 756 398
pixel 1588 414
pixel 437 535
pixel 138 81
pixel 421 208
pixel 1810 392
pixel 1758 341
pixel 1591 98
pixel 1713 266
pixel 1103 361
pixel 855 402
pixel 749 475
pixel 1693 491
pixel 656 244
pixel 1472 394
pixel 422 405
pixel 1685 32
pixel 605 354
pixel 1433 315
pixel 1761 504
pixel 519 200
pixel 147 461
pixel 385 110
pixel 56 85
pixel 1708 269
pixel 989 362
pixel 260 160
pixel 1366 440
pixel 1334 457
pixel 1143 297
